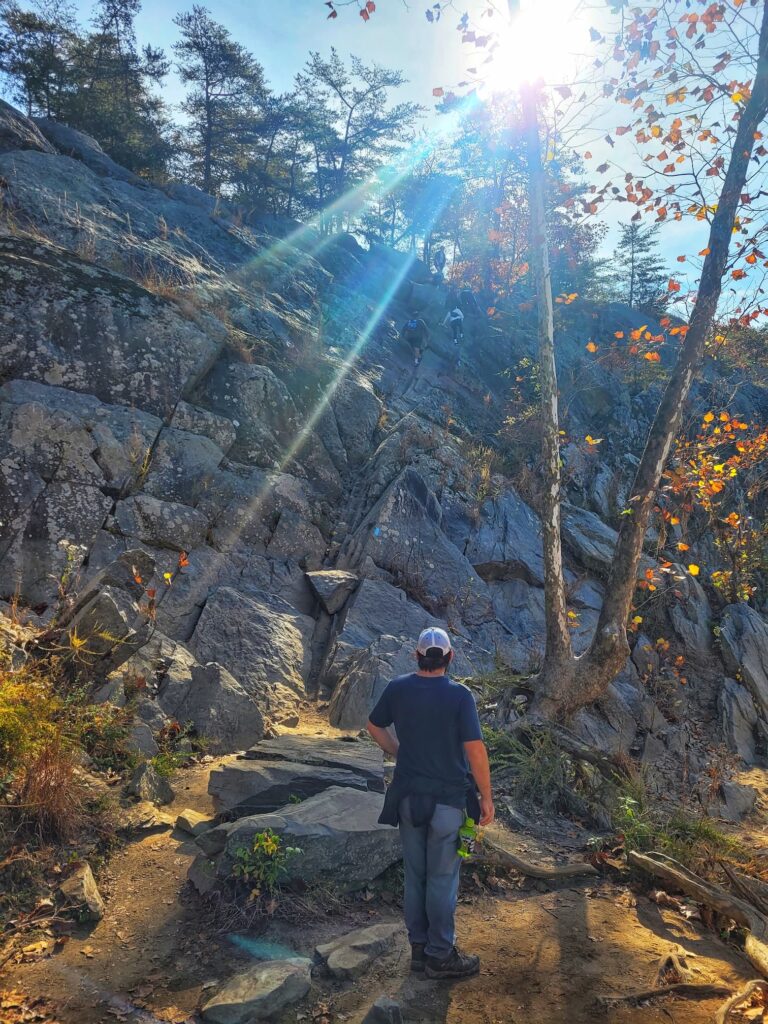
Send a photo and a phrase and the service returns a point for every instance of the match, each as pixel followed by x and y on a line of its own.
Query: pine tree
pixel 227 90
pixel 639 273
pixel 35 49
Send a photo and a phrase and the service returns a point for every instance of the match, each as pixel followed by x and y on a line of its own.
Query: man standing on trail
pixel 416 333
pixel 438 741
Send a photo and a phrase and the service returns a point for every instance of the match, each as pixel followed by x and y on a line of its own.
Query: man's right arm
pixel 477 755
pixel 384 738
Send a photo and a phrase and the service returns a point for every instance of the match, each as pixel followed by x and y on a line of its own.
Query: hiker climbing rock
pixel 455 320
pixel 438 742
pixel 416 333
pixel 468 302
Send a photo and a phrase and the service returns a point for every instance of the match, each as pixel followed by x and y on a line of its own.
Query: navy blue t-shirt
pixel 434 718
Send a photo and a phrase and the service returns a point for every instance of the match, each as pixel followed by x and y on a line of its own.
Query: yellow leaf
pixel 637 619
pixel 591 346
pixel 737 97
pixel 709 417
pixel 693 569
pixel 593 440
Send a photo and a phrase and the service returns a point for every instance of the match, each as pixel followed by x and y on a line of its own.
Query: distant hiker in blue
pixel 416 333
pixel 438 741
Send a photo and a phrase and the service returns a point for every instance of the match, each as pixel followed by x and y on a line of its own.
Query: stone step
pixel 360 756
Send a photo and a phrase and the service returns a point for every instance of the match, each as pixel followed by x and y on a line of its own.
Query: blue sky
pixel 398 35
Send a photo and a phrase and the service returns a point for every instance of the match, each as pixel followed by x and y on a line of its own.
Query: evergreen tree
pixel 35 50
pixel 115 100
pixel 639 272
pixel 226 94
pixel 354 129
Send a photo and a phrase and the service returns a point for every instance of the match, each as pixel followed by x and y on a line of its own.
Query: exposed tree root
pixel 682 990
pixel 741 997
pixel 497 854
pixel 672 970
pixel 715 897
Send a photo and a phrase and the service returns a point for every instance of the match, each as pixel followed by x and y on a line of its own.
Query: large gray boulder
pixel 261 640
pixel 366 678
pixel 362 757
pixel 255 787
pixel 260 993
pixel 18 132
pixel 357 411
pixel 402 535
pixel 338 832
pixel 81 327
pixel 744 647
pixel 269 430
pixel 182 466
pixel 738 719
pixel 79 146
pixel 165 524
pixel 506 543
pixel 214 703
pixel 592 541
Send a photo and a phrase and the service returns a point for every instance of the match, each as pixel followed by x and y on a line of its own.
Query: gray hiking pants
pixel 432 865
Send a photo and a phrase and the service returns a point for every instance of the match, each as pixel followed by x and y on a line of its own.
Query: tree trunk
pixel 558 639
pixel 563 689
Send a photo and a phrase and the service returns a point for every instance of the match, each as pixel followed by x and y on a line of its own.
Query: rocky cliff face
pixel 174 379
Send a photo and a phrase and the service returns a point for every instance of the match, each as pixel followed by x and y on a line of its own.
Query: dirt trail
pixel 546 953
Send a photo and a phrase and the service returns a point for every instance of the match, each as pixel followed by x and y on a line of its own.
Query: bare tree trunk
pixel 559 651
pixel 560 693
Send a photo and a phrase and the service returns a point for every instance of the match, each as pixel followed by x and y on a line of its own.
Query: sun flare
pixel 542 42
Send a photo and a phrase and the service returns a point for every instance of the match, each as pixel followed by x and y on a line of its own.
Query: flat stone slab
pixel 350 955
pixel 359 756
pixel 256 787
pixel 338 833
pixel 260 993
pixel 193 822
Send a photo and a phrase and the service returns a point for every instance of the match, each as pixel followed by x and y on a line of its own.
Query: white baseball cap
pixel 434 637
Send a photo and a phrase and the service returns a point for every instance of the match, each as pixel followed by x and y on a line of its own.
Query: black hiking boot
pixel 418 957
pixel 456 965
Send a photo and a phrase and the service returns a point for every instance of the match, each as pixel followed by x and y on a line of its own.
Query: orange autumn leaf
pixel 652 357
pixel 673 286
pixel 591 346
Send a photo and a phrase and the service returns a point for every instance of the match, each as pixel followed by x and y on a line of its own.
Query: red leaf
pixel 673 286
pixel 365 15
pixel 333 14
pixel 438 91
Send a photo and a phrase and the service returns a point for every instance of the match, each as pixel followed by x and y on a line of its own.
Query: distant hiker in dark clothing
pixel 416 333
pixel 455 320
pixel 451 299
pixel 438 741
pixel 467 301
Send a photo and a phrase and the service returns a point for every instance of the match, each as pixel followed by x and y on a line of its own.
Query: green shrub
pixel 263 864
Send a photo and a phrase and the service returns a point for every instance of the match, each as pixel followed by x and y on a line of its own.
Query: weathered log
pixel 715 897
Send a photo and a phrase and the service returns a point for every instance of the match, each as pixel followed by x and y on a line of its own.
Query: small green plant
pixel 167 762
pixel 544 776
pixel 264 863
pixel 692 839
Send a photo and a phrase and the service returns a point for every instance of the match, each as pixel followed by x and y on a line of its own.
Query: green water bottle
pixel 467 838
